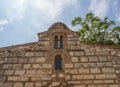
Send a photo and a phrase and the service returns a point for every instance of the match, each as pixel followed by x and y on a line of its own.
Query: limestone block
pixel 93 58
pixel 7 84
pixel 19 72
pixel 71 42
pixel 71 53
pixel 82 71
pixel 27 66
pixel 40 59
pixel 61 75
pixel 95 70
pixel 26 60
pixel 11 60
pixel 103 58
pixel 105 76
pixel 89 53
pixel 18 78
pixel 82 77
pixel 70 36
pixel 107 70
pixel 67 77
pixel 71 71
pixel 47 66
pixel 103 81
pixel 7 66
pixel 38 53
pixel 41 72
pixel 8 72
pixel 74 59
pixel 55 83
pixel 79 53
pixel 30 72
pixel 104 64
pixel 69 65
pixel 84 59
pixel 29 54
pixel 38 84
pixel 18 84
pixel 17 66
pixel 36 78
pixel 29 84
pixel 2 78
pixel 35 66
pixel 114 85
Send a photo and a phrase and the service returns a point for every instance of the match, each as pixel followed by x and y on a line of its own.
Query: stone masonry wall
pixel 32 65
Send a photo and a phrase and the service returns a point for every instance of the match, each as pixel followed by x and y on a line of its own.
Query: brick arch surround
pixel 64 54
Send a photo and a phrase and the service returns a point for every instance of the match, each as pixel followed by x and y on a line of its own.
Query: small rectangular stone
pixel 40 59
pixel 29 54
pixel 19 72
pixel 82 77
pixel 39 53
pixel 7 84
pixel 69 65
pixel 47 66
pixel 84 59
pixel 29 84
pixel 30 72
pixel 35 66
pixel 105 76
pixel 27 66
pixel 8 72
pixel 95 70
pixel 18 84
pixel 18 78
pixel 93 58
pixel 107 70
pixel 79 53
pixel 74 59
pixel 82 71
pixel 71 42
pixel 71 53
pixel 103 58
pixel 11 60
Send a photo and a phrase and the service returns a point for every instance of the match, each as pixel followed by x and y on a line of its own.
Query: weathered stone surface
pixel 82 77
pixel 29 84
pixel 38 53
pixel 74 59
pixel 8 72
pixel 83 71
pixel 11 60
pixel 79 53
pixel 40 59
pixel 29 54
pixel 69 65
pixel 93 58
pixel 7 84
pixel 18 78
pixel 18 84
pixel 27 66
pixel 95 70
pixel 19 72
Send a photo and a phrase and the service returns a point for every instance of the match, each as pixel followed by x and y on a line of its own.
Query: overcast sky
pixel 21 20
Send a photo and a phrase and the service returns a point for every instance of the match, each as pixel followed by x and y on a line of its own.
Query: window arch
pixel 61 42
pixel 58 62
pixel 56 42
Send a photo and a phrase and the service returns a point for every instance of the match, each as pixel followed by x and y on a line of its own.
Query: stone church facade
pixel 59 59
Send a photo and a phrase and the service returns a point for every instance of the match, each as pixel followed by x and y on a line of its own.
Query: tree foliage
pixel 96 30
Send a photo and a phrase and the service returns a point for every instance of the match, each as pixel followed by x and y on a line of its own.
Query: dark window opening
pixel 58 62
pixel 61 42
pixel 56 42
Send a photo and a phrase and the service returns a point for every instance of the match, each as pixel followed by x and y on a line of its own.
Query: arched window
pixel 56 42
pixel 61 42
pixel 58 62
